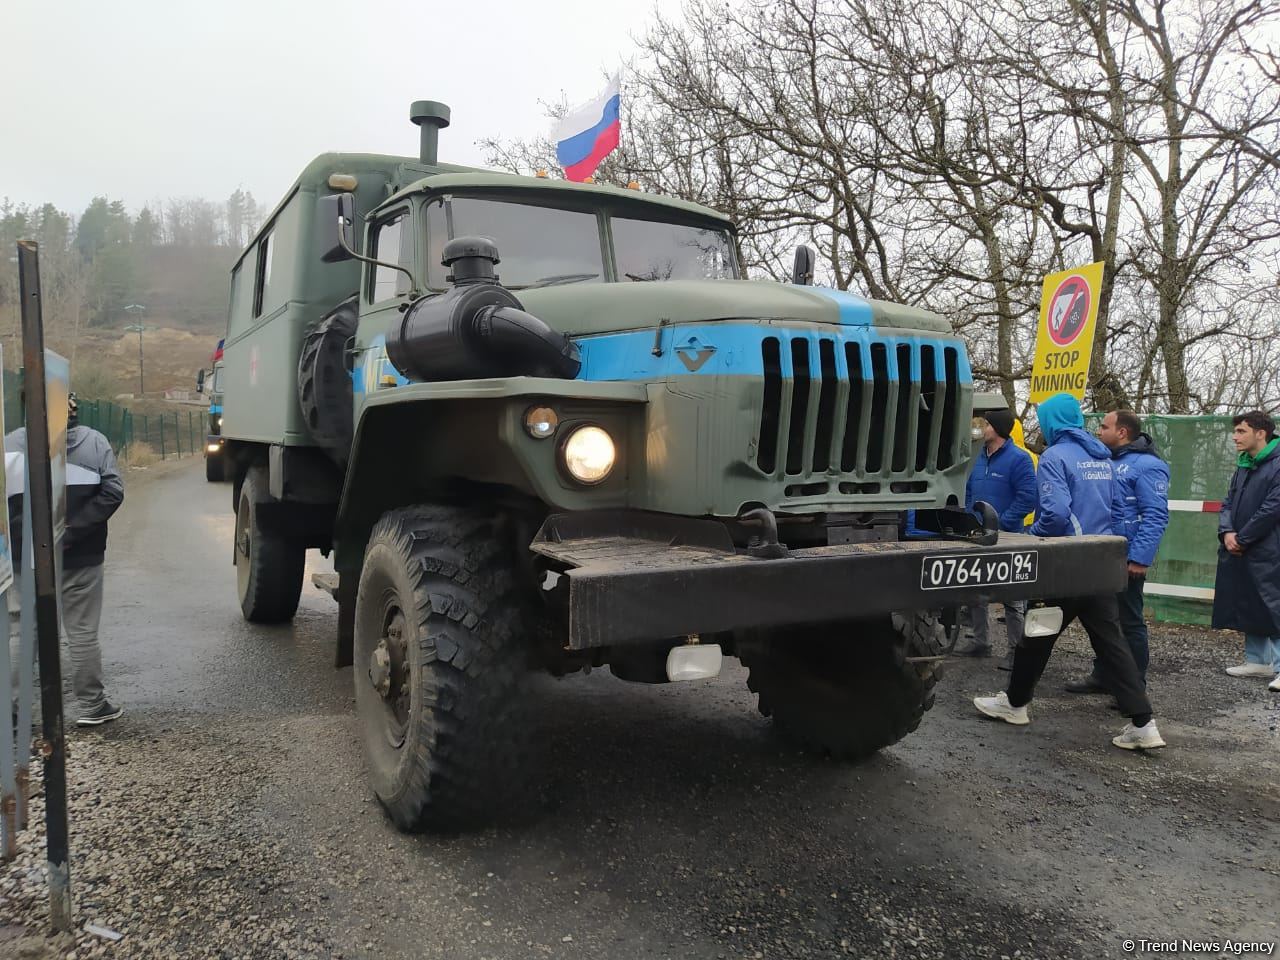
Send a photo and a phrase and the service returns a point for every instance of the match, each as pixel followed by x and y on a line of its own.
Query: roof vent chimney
pixel 431 117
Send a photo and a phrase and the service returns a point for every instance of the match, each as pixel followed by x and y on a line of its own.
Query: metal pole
pixel 10 743
pixel 39 503
pixel 26 656
pixel 141 388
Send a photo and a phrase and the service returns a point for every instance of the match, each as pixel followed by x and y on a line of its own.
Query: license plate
pixel 953 570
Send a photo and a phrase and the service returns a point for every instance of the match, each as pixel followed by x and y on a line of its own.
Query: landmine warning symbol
pixel 1068 310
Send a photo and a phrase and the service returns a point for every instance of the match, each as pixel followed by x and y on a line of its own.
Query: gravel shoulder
pixel 227 815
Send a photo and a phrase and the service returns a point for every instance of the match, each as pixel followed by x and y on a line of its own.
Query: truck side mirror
pixel 200 382
pixel 802 269
pixel 335 227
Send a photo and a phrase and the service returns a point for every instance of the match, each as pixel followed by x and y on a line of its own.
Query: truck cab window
pixel 389 246
pixel 653 250
pixel 539 245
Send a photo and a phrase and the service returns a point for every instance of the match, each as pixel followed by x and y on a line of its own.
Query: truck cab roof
pixel 468 180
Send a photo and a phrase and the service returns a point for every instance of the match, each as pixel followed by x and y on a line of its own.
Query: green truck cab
pixel 543 427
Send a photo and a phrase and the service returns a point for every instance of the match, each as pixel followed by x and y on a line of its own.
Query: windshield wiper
pixel 639 279
pixel 556 280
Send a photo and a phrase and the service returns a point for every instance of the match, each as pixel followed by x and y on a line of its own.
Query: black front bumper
pixel 634 578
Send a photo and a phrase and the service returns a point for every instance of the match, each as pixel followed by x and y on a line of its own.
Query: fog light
pixel 1042 622
pixel 541 422
pixel 589 454
pixel 698 661
pixel 214 447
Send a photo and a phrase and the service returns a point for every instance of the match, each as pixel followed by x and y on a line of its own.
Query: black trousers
pixel 1100 617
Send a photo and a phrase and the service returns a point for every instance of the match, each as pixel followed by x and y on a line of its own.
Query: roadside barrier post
pixel 38 505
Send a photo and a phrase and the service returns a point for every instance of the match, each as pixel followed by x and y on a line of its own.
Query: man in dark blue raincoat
pixel 1247 594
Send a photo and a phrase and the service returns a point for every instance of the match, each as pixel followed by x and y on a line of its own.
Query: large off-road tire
pixel 214 468
pixel 846 689
pixel 324 385
pixel 441 668
pixel 269 568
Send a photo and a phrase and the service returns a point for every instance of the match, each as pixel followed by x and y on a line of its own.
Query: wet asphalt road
pixel 671 822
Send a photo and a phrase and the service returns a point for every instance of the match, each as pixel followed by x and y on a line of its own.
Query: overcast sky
pixel 140 100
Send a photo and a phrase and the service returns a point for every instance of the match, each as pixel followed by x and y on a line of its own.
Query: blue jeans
pixel 1265 650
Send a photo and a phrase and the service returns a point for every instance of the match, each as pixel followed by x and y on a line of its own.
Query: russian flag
pixel 217 353
pixel 589 133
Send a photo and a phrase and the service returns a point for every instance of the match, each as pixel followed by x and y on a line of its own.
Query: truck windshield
pixel 548 246
pixel 538 245
pixel 651 250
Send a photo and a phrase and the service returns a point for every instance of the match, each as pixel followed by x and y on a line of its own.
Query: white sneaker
pixel 999 708
pixel 1139 738
pixel 1250 670
pixel 1274 685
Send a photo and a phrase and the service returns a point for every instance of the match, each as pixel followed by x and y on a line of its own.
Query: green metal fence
pixel 170 433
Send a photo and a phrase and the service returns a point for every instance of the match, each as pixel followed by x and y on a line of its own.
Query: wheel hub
pixel 380 669
pixel 389 675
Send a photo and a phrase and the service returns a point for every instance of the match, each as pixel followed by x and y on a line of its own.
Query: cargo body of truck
pixel 545 427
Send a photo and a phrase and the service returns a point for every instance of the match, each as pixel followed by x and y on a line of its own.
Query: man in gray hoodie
pixel 95 491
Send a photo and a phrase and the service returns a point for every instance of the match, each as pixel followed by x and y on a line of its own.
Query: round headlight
pixel 589 454
pixel 540 422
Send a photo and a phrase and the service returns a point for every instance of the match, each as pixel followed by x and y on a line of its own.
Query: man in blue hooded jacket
pixel 1142 483
pixel 1004 477
pixel 1078 497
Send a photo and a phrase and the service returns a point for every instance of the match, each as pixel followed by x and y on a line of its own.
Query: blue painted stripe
pixel 855 311
pixel 577 148
pixel 737 351
pixel 215 408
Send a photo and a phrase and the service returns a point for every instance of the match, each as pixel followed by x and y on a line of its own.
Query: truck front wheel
pixel 846 689
pixel 214 469
pixel 441 668
pixel 269 567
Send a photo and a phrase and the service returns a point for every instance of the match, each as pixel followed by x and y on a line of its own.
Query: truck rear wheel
pixel 846 689
pixel 269 568
pixel 440 668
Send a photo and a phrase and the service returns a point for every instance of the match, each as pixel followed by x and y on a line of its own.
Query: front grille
pixel 888 408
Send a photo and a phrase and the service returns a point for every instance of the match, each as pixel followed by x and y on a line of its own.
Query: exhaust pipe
pixel 431 117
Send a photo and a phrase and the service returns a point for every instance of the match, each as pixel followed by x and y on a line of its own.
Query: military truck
pixel 210 382
pixel 542 427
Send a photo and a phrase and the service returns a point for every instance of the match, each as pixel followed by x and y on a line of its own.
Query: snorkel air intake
pixel 477 329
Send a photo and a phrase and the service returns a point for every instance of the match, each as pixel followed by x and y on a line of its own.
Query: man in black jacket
pixel 95 491
pixel 1247 593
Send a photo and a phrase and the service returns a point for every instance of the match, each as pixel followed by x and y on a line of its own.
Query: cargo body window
pixel 390 245
pixel 263 278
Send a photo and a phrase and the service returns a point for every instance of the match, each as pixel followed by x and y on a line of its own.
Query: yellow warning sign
pixel 1064 340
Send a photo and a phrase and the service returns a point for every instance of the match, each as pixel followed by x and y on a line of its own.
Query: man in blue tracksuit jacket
pixel 1003 477
pixel 1078 497
pixel 1142 482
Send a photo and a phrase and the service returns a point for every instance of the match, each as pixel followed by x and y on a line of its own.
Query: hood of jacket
pixel 1058 413
pixel 1141 444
